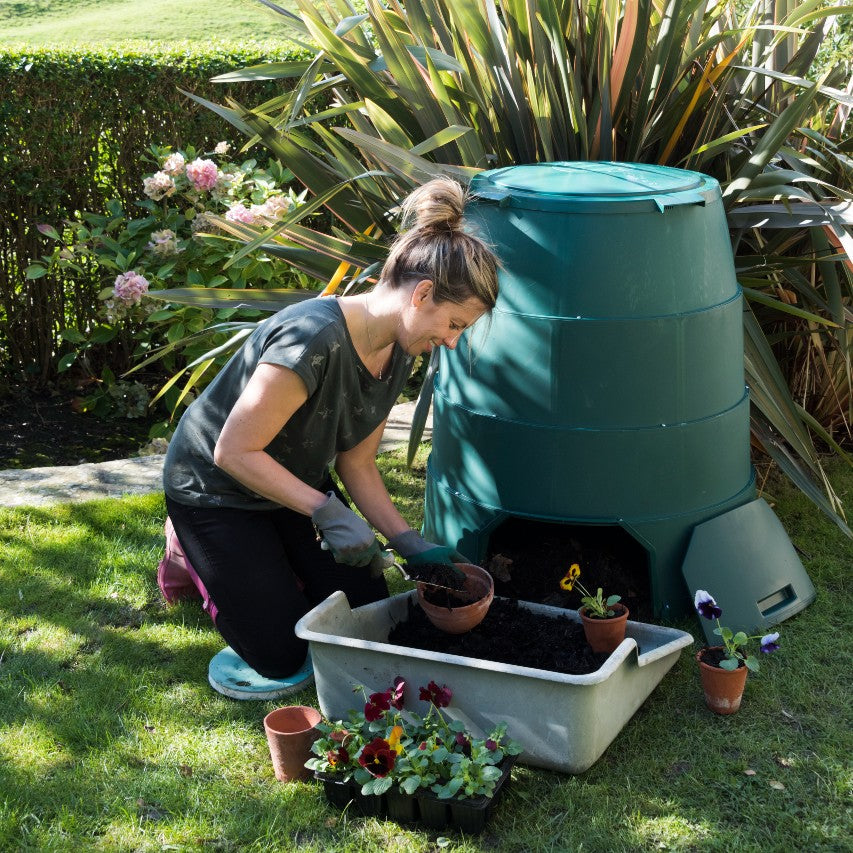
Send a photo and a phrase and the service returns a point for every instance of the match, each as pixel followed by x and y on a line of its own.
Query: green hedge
pixel 73 128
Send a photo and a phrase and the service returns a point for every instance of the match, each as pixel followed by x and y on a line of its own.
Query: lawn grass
pixel 108 23
pixel 111 739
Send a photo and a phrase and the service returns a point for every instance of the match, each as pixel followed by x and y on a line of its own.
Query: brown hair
pixel 437 246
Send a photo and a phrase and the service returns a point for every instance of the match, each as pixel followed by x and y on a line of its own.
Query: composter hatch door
pixel 746 561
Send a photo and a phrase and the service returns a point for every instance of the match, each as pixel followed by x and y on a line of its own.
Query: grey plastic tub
pixel 564 722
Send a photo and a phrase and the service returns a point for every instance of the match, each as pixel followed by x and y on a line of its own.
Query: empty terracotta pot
pixel 290 733
pixel 479 586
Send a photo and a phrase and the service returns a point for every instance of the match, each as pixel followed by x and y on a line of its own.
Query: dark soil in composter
pixel 528 559
pixel 509 634
pixel 42 428
pixel 713 656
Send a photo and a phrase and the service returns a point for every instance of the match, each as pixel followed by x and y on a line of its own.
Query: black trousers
pixel 264 570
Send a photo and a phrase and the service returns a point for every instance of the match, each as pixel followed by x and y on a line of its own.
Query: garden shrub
pixel 170 238
pixel 73 124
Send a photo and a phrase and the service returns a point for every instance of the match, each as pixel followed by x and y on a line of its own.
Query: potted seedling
pixel 604 619
pixel 723 669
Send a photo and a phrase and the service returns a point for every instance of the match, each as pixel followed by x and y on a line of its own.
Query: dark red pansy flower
pixel 491 745
pixel 377 705
pixel 372 712
pixel 439 696
pixel 463 741
pixel 377 758
pixel 337 756
pixel 339 736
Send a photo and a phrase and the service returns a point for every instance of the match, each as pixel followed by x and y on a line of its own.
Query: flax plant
pixel 452 87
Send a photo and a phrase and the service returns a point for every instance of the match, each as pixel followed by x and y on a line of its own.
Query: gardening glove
pixel 383 560
pixel 348 537
pixel 414 549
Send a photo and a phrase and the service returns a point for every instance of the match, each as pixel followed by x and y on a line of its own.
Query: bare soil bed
pixel 42 428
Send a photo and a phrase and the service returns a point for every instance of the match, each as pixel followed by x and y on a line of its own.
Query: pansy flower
pixel 439 696
pixel 377 705
pixel 568 582
pixel 338 756
pixel 463 743
pixel 706 606
pixel 377 758
pixel 394 739
pixel 770 643
pixel 397 693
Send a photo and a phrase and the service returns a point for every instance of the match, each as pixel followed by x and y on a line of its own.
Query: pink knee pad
pixel 177 578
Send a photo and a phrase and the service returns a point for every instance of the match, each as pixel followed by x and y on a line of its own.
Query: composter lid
pixel 593 186
pixel 746 561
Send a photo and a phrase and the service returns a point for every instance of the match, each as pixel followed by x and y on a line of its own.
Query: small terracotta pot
pixel 478 584
pixel 290 733
pixel 723 688
pixel 604 635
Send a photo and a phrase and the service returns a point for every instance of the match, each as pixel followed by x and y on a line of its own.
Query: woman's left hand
pixel 414 549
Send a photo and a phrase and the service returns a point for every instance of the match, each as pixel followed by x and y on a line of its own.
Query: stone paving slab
pixel 139 475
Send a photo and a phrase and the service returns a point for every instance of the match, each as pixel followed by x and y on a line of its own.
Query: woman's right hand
pixel 349 537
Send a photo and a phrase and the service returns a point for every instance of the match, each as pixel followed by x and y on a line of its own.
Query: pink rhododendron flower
pixel 238 212
pixel 203 174
pixel 222 148
pixel 157 186
pixel 129 287
pixel 174 164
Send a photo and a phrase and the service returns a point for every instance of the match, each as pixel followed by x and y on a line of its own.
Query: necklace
pixel 370 337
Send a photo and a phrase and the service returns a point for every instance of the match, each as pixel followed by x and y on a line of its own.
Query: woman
pixel 247 479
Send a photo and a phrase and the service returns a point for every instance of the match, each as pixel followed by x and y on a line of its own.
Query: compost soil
pixel 42 428
pixel 528 559
pixel 509 634
pixel 438 574
pixel 713 655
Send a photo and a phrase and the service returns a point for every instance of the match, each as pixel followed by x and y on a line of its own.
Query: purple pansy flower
pixel 706 606
pixel 770 643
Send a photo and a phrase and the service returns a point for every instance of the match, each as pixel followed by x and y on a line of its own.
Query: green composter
pixel 608 388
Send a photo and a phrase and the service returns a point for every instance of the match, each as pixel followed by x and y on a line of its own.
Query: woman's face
pixel 428 324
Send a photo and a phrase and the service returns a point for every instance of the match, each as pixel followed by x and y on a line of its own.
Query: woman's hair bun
pixel 435 245
pixel 438 205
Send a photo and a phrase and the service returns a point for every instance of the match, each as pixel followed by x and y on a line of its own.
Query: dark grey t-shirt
pixel 345 404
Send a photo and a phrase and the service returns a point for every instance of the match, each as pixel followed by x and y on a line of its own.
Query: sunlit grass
pixel 111 739
pixel 112 22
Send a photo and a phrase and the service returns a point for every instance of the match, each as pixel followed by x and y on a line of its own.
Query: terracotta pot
pixel 290 733
pixel 723 688
pixel 479 584
pixel 604 635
